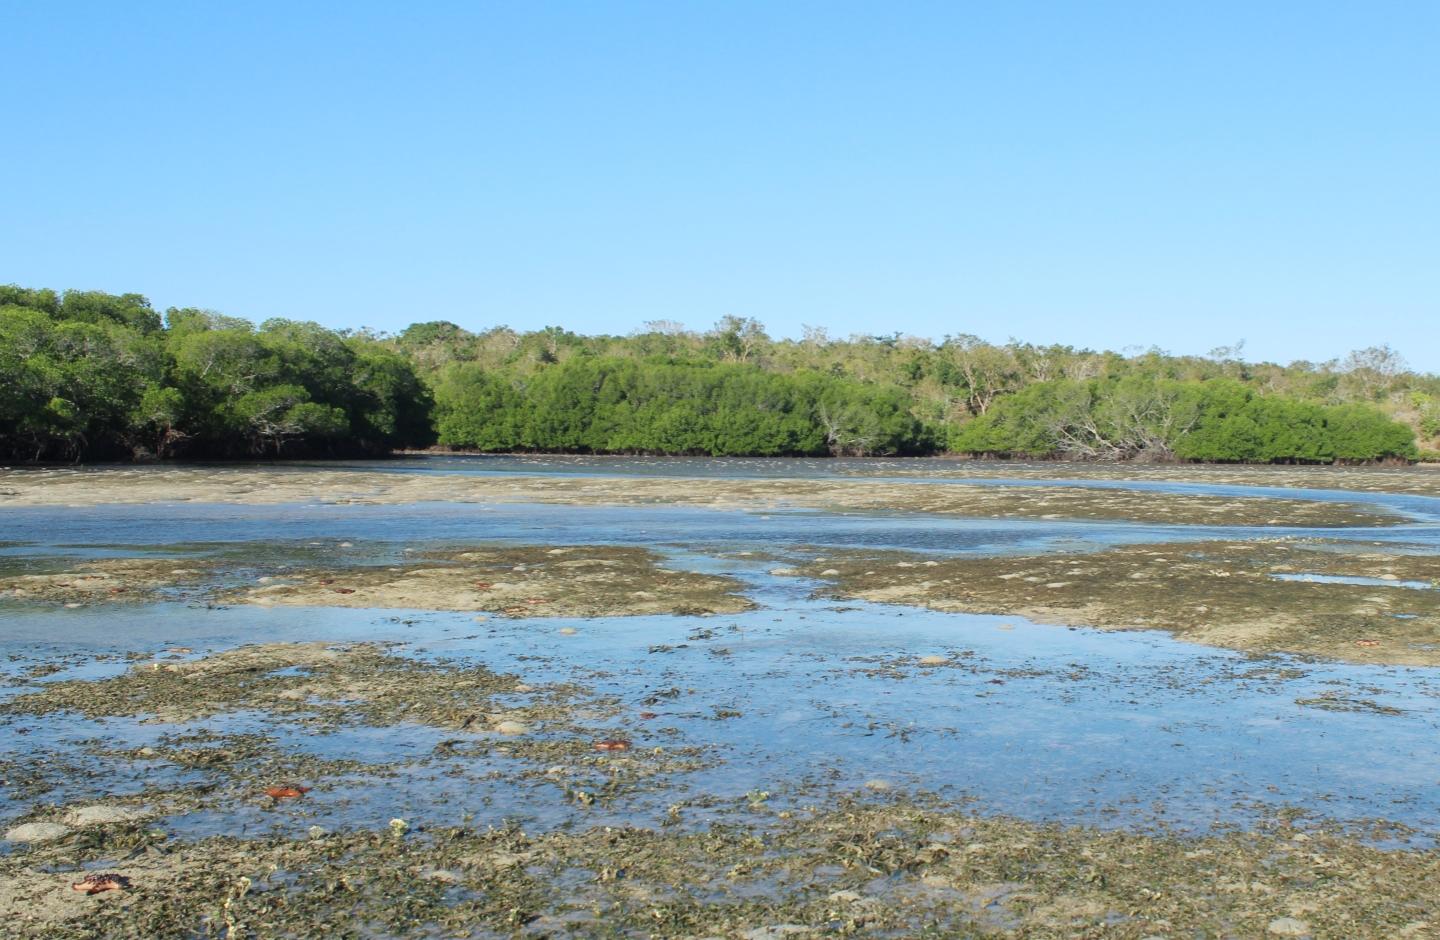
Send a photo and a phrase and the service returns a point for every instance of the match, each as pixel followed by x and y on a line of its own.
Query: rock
pixel 37 832
pixel 777 931
pixel 100 815
pixel 443 875
pixel 879 786
pixel 933 660
pixel 511 727
pixel 568 631
pixel 829 572
pixel 844 897
pixel 1288 927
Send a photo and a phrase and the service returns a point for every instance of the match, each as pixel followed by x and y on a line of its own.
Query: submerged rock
pixel 1288 927
pixel 101 815
pixel 37 832
pixel 778 932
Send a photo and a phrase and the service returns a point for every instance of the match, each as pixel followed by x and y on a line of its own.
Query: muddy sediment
pixel 1245 595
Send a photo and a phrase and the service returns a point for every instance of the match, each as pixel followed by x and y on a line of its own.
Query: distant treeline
pixel 1216 421
pixel 88 375
pixel 606 405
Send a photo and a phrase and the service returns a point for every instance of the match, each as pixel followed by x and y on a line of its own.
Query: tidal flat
pixel 597 698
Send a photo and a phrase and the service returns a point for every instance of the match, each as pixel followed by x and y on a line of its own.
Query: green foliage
pixel 611 405
pixel 1216 421
pixel 87 375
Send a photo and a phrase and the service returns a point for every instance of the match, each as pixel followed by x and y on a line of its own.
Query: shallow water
pixel 1350 579
pixel 1047 723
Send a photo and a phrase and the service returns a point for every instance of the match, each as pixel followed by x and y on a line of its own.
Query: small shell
pixel 286 793
pixel 612 744
pixel 97 882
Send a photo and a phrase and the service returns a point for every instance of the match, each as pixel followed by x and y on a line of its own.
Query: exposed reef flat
pixel 1269 595
pixel 309 484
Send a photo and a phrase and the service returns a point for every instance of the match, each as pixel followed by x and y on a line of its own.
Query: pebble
pixel 511 727
pixel 37 832
pixel 100 815
pixel 1288 927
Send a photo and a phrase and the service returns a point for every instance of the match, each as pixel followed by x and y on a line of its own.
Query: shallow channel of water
pixel 1048 723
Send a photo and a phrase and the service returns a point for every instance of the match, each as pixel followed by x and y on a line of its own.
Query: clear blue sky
pixel 1180 174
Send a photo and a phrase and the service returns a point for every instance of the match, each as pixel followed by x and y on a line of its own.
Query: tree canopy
pixel 90 375
pixel 95 376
